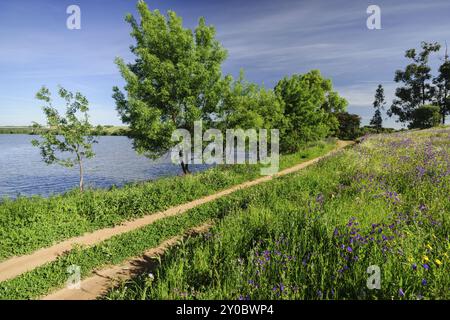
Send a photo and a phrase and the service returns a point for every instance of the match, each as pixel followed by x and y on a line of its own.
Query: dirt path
pixel 16 266
pixel 101 281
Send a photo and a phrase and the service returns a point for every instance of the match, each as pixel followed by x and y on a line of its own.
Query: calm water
pixel 22 171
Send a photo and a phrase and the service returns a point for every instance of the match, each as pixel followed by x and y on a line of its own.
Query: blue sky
pixel 268 39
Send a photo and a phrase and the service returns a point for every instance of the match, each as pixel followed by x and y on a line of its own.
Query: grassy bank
pixel 27 224
pixel 313 235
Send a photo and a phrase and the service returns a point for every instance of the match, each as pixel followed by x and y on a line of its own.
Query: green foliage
pixel 109 130
pixel 366 130
pixel 246 106
pixel 312 235
pixel 309 107
pixel 427 116
pixel 349 126
pixel 174 81
pixel 70 133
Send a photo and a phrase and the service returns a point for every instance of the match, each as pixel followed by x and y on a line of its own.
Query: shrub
pixel 426 116
pixel 348 126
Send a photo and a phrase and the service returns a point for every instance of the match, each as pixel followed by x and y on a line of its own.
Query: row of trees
pixel 422 100
pixel 175 80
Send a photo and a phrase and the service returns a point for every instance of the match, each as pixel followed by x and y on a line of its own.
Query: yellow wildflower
pixel 429 246
pixel 438 262
pixel 425 258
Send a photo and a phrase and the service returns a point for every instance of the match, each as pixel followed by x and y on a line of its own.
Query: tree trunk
pixel 80 163
pixel 444 109
pixel 185 168
pixel 423 95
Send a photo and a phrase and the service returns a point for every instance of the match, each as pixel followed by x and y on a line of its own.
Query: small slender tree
pixel 378 104
pixel 65 134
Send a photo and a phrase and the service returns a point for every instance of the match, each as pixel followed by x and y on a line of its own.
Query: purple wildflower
pixel 336 232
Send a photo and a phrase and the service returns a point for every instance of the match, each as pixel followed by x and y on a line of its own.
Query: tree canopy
pixel 310 105
pixel 378 104
pixel 175 80
pixel 66 134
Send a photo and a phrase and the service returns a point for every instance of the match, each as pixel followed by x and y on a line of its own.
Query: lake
pixel 22 171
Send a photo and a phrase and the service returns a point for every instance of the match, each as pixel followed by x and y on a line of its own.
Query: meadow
pixel 313 234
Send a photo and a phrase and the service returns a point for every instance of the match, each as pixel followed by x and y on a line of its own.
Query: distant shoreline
pixel 99 130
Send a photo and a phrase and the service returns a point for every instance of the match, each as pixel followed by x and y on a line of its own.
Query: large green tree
pixel 174 81
pixel 65 134
pixel 378 104
pixel 417 89
pixel 310 105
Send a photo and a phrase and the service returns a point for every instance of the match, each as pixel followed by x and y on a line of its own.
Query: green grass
pixel 309 235
pixel 27 224
pixel 312 235
pixel 44 279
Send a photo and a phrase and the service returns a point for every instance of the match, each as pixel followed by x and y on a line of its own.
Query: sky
pixel 268 39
